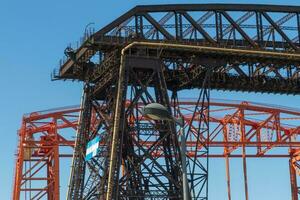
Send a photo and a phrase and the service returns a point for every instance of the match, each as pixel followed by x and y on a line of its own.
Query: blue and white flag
pixel 92 148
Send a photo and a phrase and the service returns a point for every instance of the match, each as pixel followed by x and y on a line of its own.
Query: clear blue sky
pixel 33 35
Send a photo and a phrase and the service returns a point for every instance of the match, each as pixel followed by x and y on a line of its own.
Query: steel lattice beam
pixel 270 29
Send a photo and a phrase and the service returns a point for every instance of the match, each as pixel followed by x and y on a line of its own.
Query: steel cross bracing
pixel 152 49
pixel 265 131
pixel 142 175
pixel 75 190
pixel 159 176
pixel 263 28
pixel 43 140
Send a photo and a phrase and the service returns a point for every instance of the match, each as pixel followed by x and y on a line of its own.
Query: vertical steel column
pixel 55 161
pixel 228 177
pixel 202 110
pixel 185 186
pixel 76 182
pixel 243 138
pixel 49 176
pixel 293 180
pixel 115 133
pixel 225 135
pixel 19 163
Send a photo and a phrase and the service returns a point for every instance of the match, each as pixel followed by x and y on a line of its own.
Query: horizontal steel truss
pixel 225 27
pixel 183 69
pixel 265 129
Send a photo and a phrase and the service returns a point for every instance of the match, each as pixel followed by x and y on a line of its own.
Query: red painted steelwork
pixel 236 127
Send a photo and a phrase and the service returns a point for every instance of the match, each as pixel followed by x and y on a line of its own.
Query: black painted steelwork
pixel 264 28
pixel 252 48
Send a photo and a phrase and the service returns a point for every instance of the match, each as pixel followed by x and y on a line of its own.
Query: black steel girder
pixel 263 28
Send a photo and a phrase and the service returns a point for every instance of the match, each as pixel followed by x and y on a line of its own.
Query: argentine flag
pixel 92 148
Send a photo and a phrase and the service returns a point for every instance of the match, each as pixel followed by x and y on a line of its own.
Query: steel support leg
pixel 293 179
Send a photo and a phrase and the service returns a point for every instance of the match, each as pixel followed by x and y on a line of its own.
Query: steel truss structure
pixel 230 29
pixel 151 51
pixel 237 130
pixel 41 144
